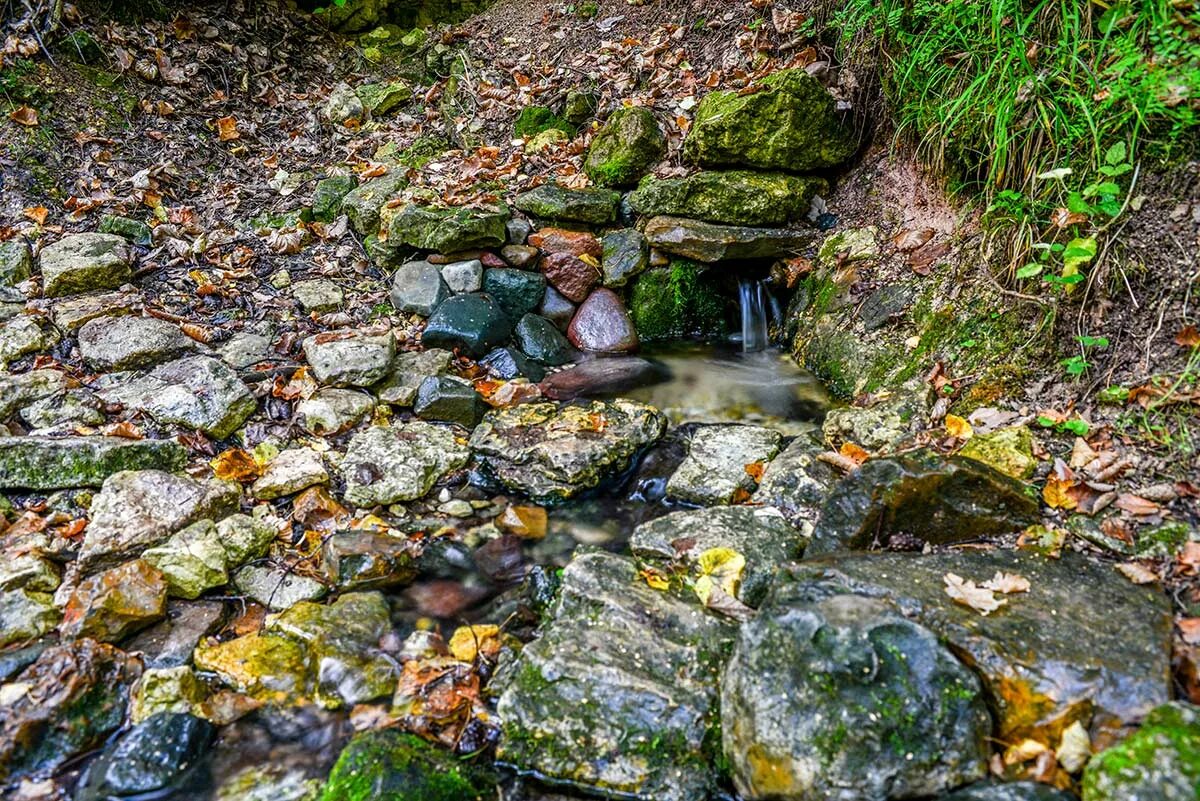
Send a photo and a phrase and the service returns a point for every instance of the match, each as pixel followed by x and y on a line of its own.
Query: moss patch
pixel 677 301
pixel 391 766
pixel 533 120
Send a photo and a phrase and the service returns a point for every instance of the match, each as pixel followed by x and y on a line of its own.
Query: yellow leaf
pixel 656 580
pixel 1057 493
pixel 227 129
pixel 235 464
pixel 468 642
pixel 1024 751
pixel 958 427
pixel 589 260
pixel 719 567
pixel 965 592
pixel 1075 748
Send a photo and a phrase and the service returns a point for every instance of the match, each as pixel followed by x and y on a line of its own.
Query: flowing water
pixel 752 299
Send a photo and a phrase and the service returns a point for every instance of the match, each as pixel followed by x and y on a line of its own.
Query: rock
pixel 125 342
pixel 355 358
pixel 517 292
pixel 1160 761
pixel 318 295
pixel 580 106
pixel 447 229
pixel 1049 656
pixel 796 482
pixel 625 253
pixel 25 615
pixel 332 411
pixel 191 561
pixel 517 230
pixel 625 148
pixel 449 399
pixel 291 471
pixel 939 500
pixel 510 363
pixel 884 425
pixel 269 783
pixel 380 99
pixel 463 276
pixel 550 202
pixel 364 560
pixel 833 694
pixel 267 667
pixel 20 389
pixel 28 571
pixel 16 262
pixel 520 256
pixel 761 534
pixel 474 324
pixel 602 325
pixel 344 106
pixel 243 538
pixel 1013 791
pixel 851 244
pixel 526 522
pixel 329 194
pixel 75 406
pixel 80 263
pixel 408 370
pixel 806 132
pixel 277 587
pixel 136 231
pixel 341 642
pixel 557 309
pixel 553 453
pixel 170 642
pixel 708 242
pixel 570 260
pixel 162 754
pixel 24 335
pixel 362 205
pixel 541 341
pixel 44 463
pixel 115 603
pixel 69 314
pixel 591 701
pixel 138 509
pixel 718 464
pixel 400 463
pixel 75 696
pixel 736 197
pixel 394 766
pixel 166 690
pixel 245 349
pixel 606 376
pixel 353 16
pixel 533 120
pixel 1009 450
pixel 195 392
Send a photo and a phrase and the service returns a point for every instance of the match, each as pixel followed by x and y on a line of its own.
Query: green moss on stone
pixel 533 120
pixel 1161 760
pixel 625 148
pixel 677 301
pixel 392 766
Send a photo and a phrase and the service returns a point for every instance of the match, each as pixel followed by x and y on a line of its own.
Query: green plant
pixel 1074 425
pixel 1077 365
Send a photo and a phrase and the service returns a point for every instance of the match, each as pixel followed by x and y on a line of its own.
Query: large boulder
pixel 399 463
pixel 446 229
pixel 790 124
pixel 624 149
pixel 737 197
pixel 45 463
pixel 550 202
pixel 362 206
pixel 390 765
pixel 921 495
pixel 709 242
pixel 616 694
pixel 553 452
pixel 829 694
pixel 1159 762
pixel 723 464
pixel 84 263
pixel 1083 643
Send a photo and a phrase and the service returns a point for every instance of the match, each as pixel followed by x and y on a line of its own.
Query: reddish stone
pixel 570 260
pixel 490 259
pixel 115 603
pixel 560 240
pixel 602 325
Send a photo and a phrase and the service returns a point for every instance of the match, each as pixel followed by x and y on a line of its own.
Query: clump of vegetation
pixel 533 120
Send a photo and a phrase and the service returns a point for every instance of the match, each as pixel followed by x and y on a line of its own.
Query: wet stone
pixel 191 561
pixel 166 690
pixel 510 363
pixel 44 463
pixel 126 342
pixel 1012 791
pixel 936 499
pixel 716 468
pixel 26 615
pixel 518 292
pixel 399 463
pixel 602 325
pixel 159 755
pixel 115 603
pixel 75 406
pixel 589 704
pixel 624 254
pixel 522 257
pixel 463 276
pixel 170 642
pixel 267 667
pixel 473 324
pixel 538 339
pixel 449 399
pixel 28 571
pixel 396 766
pixel 332 411
pixel 292 470
pixel 364 560
pixel 1009 450
pixel 269 783
pixel 557 309
pixel 80 263
pixel 1159 761
pixel 356 359
pixel 570 260
pixel 277 587
pixel 408 370
pixel 796 482
pixel 592 205
pixel 710 242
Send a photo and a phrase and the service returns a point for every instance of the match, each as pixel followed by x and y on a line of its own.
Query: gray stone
pixel 28 571
pixel 365 560
pixel 276 587
pixel 126 342
pixel 317 295
pixel 626 253
pixel 20 389
pixel 191 560
pixel 75 406
pixel 517 231
pixel 138 509
pixel 463 276
pixel 16 262
pixel 45 463
pixel 332 411
pixel 170 642
pixel 408 370
pixel 557 309
pixel 344 105
pixel 245 349
pixel 552 453
pixel 291 471
pixel 831 694
pixel 70 314
pixel 796 482
pixel 761 534
pixel 615 694
pixel 244 537
pixel 716 465
pixel 353 358
pixel 883 425
pixel 418 288
pixel 399 463
pixel 550 202
pixel 24 335
pixel 26 615
pixel 449 399
pixel 362 205
pixel 709 242
pixel 84 263
pixel 446 229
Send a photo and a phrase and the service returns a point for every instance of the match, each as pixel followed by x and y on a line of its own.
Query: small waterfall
pixel 753 298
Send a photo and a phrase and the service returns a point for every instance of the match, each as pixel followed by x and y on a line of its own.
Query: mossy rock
pixel 739 197
pixel 328 195
pixel 680 300
pixel 625 148
pixel 446 229
pixel 392 766
pixel 790 124
pixel 81 47
pixel 1160 761
pixel 533 120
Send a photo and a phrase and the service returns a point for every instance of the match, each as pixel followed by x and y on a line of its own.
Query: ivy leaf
pixel 1116 154
pixel 719 568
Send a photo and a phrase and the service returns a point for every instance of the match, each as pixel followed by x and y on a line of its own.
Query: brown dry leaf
pixel 725 604
pixel 235 464
pixel 1024 751
pixel 1189 559
pixel 24 115
pixel 1081 453
pixel 1063 217
pixel 1137 572
pixel 958 427
pixel 227 129
pixel 1188 337
pixel 124 429
pixel 1189 627
pixel 854 452
pixel 1007 583
pixel 1136 505
pixel 912 239
pixel 1057 493
pixel 965 592
pixel 37 213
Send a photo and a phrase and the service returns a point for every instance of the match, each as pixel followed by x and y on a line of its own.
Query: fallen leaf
pixel 1024 751
pixel 755 470
pixel 1007 583
pixel 719 567
pixel 958 427
pixel 723 603
pixel 235 464
pixel 469 642
pixel 854 452
pixel 963 591
pixel 654 578
pixel 24 115
pixel 1063 217
pixel 1136 505
pixel 1188 337
pixel 1137 572
pixel 227 129
pixel 1074 749
pixel 912 239
pixel 1189 627
pixel 37 214
pixel 1057 493
pixel 1081 453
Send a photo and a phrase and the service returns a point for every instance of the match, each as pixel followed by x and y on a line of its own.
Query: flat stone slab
pixel 45 463
pixel 721 463
pixel 125 342
pixel 84 263
pixel 709 242
pixel 399 463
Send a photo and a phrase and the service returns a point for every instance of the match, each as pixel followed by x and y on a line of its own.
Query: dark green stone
pixel 625 148
pixel 449 399
pixel 162 754
pixel 328 195
pixel 550 202
pixel 738 197
pixel 389 765
pixel 540 340
pixel 472 323
pixel 517 292
pixel 135 231
pixel 43 463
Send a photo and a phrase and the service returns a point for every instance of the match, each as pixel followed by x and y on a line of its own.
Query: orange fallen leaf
pixel 1057 493
pixel 1188 337
pixel 37 214
pixel 755 470
pixel 1136 505
pixel 227 129
pixel 1189 627
pixel 235 464
pixel 24 115
pixel 655 579
pixel 854 452
pixel 958 427
pixel 1062 217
